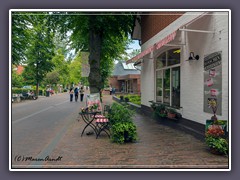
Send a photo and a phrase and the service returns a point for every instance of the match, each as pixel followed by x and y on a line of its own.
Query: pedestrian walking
pixel 76 92
pixel 81 93
pixel 110 90
pixel 71 94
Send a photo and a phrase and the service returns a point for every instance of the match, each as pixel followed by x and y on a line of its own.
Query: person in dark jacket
pixel 76 93
pixel 71 94
pixel 81 93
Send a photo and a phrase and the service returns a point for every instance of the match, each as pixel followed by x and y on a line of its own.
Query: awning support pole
pixel 194 30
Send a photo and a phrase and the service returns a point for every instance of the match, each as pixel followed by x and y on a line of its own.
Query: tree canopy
pixel 103 34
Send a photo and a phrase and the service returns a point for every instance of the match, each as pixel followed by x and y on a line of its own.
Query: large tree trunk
pixel 95 40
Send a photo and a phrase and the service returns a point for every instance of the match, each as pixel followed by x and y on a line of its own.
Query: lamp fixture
pixel 192 57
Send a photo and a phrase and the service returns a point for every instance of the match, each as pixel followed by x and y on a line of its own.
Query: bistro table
pixel 96 121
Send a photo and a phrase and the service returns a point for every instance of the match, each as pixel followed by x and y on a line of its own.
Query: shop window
pixel 168 78
pixel 159 85
pixel 176 87
pixel 173 57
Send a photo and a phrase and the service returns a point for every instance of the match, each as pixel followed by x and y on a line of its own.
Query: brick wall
pixel 114 82
pixel 155 22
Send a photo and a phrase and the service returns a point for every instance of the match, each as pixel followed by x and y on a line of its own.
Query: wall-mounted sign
pixel 213 83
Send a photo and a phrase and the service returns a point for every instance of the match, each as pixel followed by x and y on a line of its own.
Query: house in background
pixel 19 69
pixel 125 78
pixel 184 63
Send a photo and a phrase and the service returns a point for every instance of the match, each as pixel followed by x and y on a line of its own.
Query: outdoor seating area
pixel 94 116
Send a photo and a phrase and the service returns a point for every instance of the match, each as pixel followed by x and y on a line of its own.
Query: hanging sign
pixel 85 65
pixel 213 83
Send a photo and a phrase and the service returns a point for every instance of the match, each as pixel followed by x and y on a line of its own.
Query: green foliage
pixel 119 113
pixel 103 35
pixel 24 90
pixel 20 90
pixel 29 75
pixel 126 99
pixel 75 69
pixel 121 125
pixel 133 98
pixel 60 73
pixel 40 49
pixel 160 109
pixel 218 143
pixel 20 37
pixel 52 77
pixel 123 132
pixel 216 138
pixel 171 110
pixel 17 80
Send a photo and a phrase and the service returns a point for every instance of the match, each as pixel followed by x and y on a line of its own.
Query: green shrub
pixel 216 139
pixel 133 98
pixel 218 143
pixel 160 110
pixel 119 113
pixel 123 132
pixel 24 90
pixel 121 125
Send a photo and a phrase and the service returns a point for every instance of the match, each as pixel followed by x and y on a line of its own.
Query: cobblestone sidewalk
pixel 158 146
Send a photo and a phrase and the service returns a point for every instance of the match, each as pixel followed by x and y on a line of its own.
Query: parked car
pixel 27 87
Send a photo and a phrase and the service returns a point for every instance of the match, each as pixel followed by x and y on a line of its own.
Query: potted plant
pixel 217 145
pixel 216 141
pixel 171 113
pixel 161 110
pixel 212 103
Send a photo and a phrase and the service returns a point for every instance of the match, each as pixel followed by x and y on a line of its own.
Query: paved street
pixel 158 146
pixel 38 124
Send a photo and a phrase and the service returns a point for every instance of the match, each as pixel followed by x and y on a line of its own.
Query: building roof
pixel 121 69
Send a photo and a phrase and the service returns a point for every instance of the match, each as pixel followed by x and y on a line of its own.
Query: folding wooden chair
pixel 93 103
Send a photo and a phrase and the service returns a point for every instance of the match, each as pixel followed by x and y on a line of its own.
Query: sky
pixel 134 45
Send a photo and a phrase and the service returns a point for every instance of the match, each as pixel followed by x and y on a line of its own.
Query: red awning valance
pixel 156 46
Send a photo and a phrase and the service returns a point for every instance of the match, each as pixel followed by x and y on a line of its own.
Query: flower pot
pixel 215 151
pixel 171 115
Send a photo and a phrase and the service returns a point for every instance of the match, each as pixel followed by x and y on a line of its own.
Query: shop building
pixel 125 78
pixel 184 63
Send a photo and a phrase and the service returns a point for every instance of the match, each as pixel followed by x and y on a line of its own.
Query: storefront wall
pixel 192 72
pixel 148 70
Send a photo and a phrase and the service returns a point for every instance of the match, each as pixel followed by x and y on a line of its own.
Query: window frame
pixel 162 69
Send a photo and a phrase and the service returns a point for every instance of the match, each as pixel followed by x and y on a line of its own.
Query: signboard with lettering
pixel 213 83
